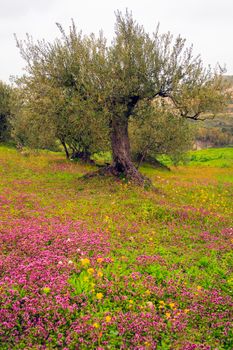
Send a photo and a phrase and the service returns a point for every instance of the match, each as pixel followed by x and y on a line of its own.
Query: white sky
pixel 208 24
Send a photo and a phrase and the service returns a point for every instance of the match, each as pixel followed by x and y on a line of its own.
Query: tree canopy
pixel 82 81
pixel 5 111
pixel 159 129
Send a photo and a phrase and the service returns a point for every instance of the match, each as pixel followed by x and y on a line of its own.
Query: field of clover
pixel 100 264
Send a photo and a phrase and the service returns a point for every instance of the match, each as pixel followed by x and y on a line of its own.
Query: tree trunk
pixel 122 163
pixel 65 149
pixel 84 156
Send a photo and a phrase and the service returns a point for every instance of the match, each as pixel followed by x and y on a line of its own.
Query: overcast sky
pixel 207 24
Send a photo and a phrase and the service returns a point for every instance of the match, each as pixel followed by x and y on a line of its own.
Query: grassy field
pixel 100 264
pixel 212 157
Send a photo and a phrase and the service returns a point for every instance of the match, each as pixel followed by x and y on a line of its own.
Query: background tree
pixel 44 117
pixel 28 128
pixel 5 112
pixel 54 101
pixel 158 129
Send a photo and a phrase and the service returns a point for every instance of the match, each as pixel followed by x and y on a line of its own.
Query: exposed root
pixel 133 175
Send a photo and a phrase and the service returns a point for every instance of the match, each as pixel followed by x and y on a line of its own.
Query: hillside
pixel 100 264
pixel 229 78
pixel 229 112
pixel 218 131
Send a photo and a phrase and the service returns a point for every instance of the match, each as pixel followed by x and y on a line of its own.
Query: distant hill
pixel 229 78
pixel 218 131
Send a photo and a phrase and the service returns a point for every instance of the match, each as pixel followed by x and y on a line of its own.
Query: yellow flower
pixel 186 310
pixel 124 258
pixel 46 290
pixel 108 318
pixel 147 343
pixel 99 296
pixel 172 305
pixel 90 271
pixel 199 287
pixel 100 273
pixel 168 315
pixel 131 301
pixel 161 304
pixel 85 262
pixel 100 260
pixel 96 325
pixel 147 292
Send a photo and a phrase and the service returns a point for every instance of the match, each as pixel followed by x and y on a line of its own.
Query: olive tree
pixel 53 98
pixel 158 129
pixel 5 111
pixel 115 80
pixel 142 67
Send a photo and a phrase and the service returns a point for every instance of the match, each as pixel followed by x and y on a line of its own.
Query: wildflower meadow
pixel 101 264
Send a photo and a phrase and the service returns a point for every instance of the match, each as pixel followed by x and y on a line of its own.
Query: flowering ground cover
pixel 100 264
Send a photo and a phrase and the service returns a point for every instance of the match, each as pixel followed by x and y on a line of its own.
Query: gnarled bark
pixel 122 162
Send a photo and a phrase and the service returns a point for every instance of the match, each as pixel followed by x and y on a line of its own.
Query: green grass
pixel 213 157
pixel 216 157
pixel 169 244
